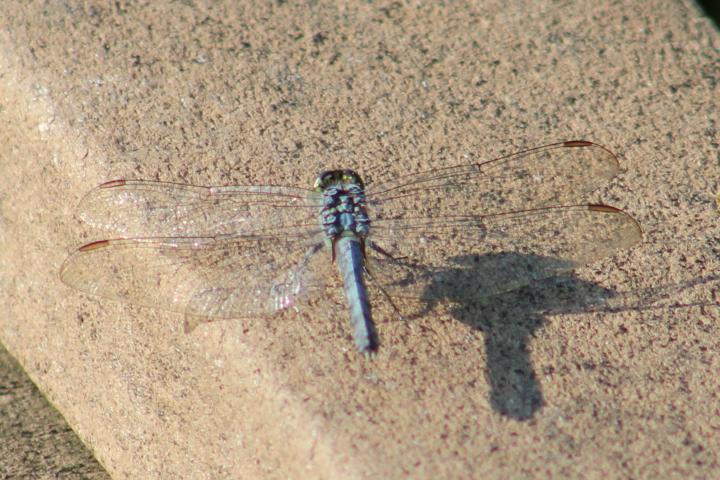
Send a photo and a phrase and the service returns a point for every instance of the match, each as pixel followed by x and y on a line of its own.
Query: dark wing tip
pixel 599 207
pixel 113 183
pixel 94 245
pixel 577 143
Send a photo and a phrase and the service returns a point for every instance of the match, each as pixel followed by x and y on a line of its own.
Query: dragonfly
pixel 228 252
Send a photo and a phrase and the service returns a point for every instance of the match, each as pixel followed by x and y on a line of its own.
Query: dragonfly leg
pixel 382 251
pixel 311 251
pixel 385 293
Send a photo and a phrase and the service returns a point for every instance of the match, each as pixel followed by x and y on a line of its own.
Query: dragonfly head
pixel 337 177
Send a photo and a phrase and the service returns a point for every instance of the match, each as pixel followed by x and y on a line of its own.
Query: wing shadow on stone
pixel 507 296
pixel 534 287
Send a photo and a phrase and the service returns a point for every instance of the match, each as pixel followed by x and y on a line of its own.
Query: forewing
pixel 137 208
pixel 554 174
pixel 205 278
pixel 486 255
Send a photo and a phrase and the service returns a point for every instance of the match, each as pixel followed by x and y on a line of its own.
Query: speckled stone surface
pixel 35 440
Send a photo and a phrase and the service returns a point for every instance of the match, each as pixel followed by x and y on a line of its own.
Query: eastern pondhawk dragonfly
pixel 247 251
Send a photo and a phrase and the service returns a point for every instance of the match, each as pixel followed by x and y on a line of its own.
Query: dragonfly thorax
pixel 343 211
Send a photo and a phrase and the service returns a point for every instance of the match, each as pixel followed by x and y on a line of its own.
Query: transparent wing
pixel 205 278
pixel 138 208
pixel 554 174
pixel 489 254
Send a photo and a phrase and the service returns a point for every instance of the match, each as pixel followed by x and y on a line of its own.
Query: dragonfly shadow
pixel 510 319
